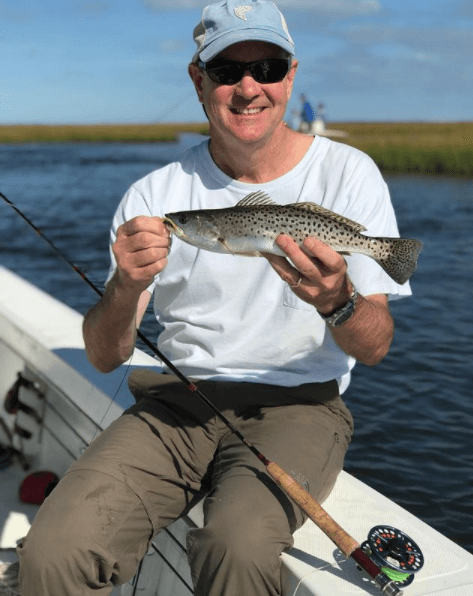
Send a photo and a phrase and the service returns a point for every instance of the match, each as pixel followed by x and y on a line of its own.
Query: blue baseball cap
pixel 226 23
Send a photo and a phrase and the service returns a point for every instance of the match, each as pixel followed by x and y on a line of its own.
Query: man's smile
pixel 246 111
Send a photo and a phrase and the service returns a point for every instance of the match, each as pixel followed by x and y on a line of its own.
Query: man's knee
pixel 234 560
pixel 245 543
pixel 50 561
pixel 88 525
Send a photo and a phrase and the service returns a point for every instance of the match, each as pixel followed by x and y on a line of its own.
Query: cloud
pixel 339 7
pixel 447 45
pixel 398 51
pixel 159 5
pixel 404 60
pixel 13 14
pixel 93 8
pixel 465 9
pixel 172 46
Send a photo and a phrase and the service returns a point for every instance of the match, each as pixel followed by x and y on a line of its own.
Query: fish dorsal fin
pixel 328 213
pixel 256 199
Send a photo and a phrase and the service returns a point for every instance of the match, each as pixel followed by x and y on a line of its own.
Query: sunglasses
pixel 230 72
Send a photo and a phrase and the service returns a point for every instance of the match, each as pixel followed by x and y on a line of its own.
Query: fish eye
pixel 183 219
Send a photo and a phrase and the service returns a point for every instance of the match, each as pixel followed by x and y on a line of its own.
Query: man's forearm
pixel 109 327
pixel 368 334
pixel 140 252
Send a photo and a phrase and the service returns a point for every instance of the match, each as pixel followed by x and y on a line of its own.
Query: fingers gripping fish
pixel 252 226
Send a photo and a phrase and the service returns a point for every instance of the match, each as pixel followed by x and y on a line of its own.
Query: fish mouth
pixel 173 227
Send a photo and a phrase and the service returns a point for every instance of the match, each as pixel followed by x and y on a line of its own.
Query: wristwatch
pixel 342 314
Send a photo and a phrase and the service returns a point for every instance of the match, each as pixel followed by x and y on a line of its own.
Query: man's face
pixel 248 111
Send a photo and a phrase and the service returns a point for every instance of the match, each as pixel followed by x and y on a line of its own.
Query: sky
pixel 125 61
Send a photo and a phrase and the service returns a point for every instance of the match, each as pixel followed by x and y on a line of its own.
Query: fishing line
pixel 60 254
pixel 309 574
pixel 143 338
pixel 347 545
pixel 82 274
pixel 99 425
pixel 178 104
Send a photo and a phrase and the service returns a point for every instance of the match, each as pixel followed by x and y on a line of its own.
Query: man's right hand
pixel 141 250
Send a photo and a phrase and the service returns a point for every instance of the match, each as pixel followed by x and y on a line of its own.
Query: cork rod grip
pixel 312 509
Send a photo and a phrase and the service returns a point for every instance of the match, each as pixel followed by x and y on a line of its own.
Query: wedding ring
pixel 298 283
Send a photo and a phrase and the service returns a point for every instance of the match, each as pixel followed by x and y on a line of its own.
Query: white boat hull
pixel 41 338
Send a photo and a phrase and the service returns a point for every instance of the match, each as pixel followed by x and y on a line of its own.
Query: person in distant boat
pixel 271 341
pixel 307 115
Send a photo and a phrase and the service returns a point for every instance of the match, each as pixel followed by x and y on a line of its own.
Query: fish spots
pixel 256 223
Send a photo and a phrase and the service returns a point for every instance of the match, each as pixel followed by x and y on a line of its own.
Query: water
pixel 413 412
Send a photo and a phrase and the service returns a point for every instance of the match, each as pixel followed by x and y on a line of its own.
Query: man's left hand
pixel 317 275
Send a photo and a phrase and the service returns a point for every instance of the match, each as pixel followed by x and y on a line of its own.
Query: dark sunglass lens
pixel 263 71
pixel 270 71
pixel 225 74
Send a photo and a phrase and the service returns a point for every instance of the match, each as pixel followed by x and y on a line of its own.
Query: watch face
pixel 343 317
pixel 344 313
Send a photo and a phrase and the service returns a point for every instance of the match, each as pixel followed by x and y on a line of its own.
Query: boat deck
pixel 49 349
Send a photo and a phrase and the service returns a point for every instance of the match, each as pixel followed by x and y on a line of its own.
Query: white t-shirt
pixel 231 317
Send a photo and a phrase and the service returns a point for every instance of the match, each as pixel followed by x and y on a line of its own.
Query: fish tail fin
pixel 400 260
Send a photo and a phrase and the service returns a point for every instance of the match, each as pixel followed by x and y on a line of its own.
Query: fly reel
pixel 398 556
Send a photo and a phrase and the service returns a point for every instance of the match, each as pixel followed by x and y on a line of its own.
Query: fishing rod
pixel 389 557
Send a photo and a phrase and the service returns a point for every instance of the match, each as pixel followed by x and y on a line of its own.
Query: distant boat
pixel 62 403
pixel 313 122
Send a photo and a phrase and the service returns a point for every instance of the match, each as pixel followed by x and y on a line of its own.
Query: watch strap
pixel 344 313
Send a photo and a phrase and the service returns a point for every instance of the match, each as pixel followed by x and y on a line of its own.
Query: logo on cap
pixel 241 11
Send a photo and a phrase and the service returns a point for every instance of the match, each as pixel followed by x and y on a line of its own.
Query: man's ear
pixel 197 77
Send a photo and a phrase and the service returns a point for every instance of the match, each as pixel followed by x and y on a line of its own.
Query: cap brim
pixel 233 37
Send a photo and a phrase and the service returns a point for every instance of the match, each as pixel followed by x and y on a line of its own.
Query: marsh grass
pixel 99 133
pixel 397 147
pixel 415 147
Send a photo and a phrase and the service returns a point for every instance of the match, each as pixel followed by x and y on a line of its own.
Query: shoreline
pixel 97 133
pixel 443 148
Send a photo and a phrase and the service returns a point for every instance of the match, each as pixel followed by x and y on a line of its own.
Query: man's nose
pixel 248 87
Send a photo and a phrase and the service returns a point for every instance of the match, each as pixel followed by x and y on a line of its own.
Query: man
pixel 271 341
pixel 307 115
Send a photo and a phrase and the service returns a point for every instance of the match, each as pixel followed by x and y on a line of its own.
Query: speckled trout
pixel 252 226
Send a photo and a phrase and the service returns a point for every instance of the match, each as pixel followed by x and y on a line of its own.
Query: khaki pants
pixel 152 464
